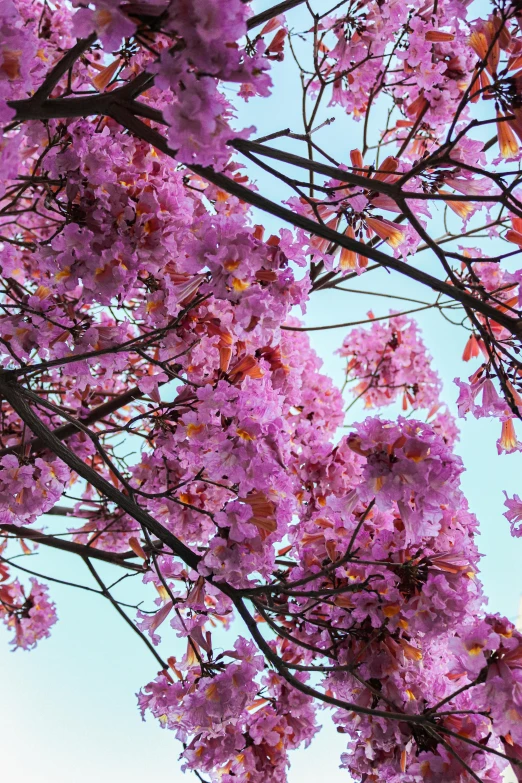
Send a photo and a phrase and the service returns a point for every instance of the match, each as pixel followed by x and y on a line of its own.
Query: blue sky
pixel 69 708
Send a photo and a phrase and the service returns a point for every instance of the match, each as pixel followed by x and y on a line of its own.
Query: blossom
pixel 514 513
pixel 29 615
pixel 199 123
pixel 29 490
pixel 389 359
pixel 407 464
pixel 141 303
pixel 107 20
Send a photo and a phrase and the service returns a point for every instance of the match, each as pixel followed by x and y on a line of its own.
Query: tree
pixel 140 304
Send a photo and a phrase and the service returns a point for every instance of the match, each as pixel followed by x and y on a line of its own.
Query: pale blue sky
pixel 69 708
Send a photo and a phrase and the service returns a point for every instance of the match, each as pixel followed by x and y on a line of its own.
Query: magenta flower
pixel 29 616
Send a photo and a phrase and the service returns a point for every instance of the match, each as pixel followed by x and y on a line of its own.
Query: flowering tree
pixel 140 303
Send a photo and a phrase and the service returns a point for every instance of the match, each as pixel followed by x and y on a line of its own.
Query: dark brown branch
pixel 110 104
pixel 357 323
pixel 131 346
pixel 14 394
pixel 107 594
pixel 333 172
pixel 135 125
pixel 454 753
pixel 59 108
pixel 12 564
pixel 265 16
pixel 282 669
pixel 68 546
pixel 66 430
pixel 359 180
pixel 37 108
pixel 61 68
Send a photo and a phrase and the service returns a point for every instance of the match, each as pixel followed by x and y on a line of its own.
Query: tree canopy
pixel 161 401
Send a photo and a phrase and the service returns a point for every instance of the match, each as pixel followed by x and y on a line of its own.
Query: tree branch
pixel 74 548
pixel 265 16
pixel 14 394
pixel 125 117
pixel 107 594
pixel 61 68
pixel 66 430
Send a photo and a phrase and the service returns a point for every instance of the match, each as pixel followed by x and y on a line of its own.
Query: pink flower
pixel 107 20
pixel 389 360
pixel 30 616
pixel 514 514
pixel 29 490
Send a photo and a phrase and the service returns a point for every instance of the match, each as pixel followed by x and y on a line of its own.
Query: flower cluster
pixel 25 56
pixel 139 303
pixel 199 49
pixel 239 721
pixel 28 615
pixel 29 489
pixel 389 360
